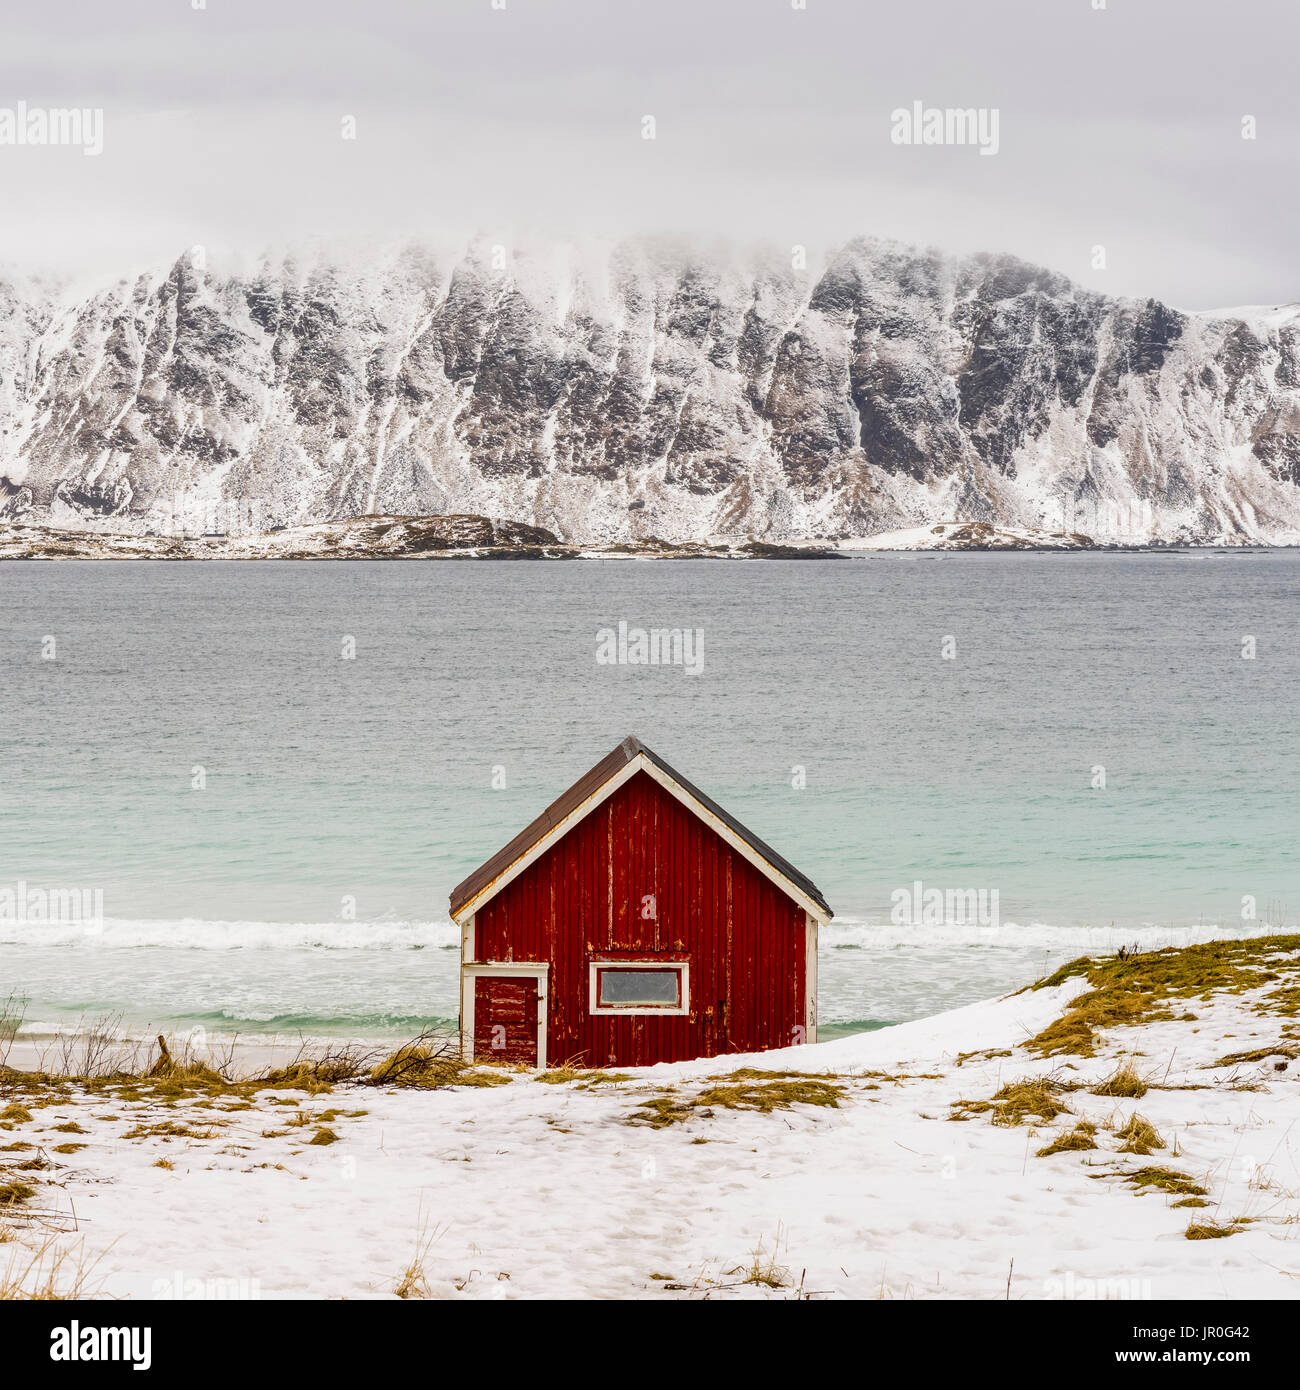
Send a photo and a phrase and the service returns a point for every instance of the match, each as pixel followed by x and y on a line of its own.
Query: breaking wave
pixel 194 934
pixel 849 934
pixel 383 934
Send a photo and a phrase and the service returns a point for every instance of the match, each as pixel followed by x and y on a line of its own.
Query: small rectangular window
pixel 622 987
pixel 637 987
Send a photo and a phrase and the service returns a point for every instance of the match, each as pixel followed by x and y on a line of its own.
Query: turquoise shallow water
pixel 306 881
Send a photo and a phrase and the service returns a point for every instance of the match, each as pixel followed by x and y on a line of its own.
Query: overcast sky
pixel 1119 127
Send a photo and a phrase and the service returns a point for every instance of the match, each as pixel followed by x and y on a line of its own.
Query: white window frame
pixel 683 967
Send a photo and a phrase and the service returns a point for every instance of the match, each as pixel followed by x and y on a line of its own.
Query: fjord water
pixel 275 827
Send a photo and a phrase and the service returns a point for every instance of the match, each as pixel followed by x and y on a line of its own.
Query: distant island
pixel 469 537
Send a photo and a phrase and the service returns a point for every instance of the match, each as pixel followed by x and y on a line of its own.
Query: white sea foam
pixel 848 933
pixel 189 933
pixel 844 933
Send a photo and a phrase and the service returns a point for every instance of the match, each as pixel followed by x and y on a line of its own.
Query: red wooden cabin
pixel 635 921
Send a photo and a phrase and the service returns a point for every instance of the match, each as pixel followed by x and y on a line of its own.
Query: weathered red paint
pixel 642 877
pixel 505 1019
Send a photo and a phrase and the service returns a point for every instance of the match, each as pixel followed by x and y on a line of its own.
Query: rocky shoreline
pixel 471 537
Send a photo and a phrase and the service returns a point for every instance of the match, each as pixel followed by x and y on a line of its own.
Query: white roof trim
pixel 641 763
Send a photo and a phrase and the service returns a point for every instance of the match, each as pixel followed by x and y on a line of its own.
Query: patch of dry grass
pixel 167 1130
pixel 1286 1050
pixel 1017 1101
pixel 99 1059
pixel 1138 987
pixel 49 1272
pixel 772 1095
pixel 1211 1230
pixel 1140 1136
pixel 586 1077
pixel 413 1281
pixel 657 1112
pixel 1124 1081
pixel 763 1268
pixel 1168 1180
pixel 1068 1141
pixel 431 1065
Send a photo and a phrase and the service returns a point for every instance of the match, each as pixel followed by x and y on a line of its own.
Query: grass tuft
pixel 1140 1136
pixel 1211 1230
pixel 52 1272
pixel 414 1282
pixel 1015 1102
pixel 431 1066
pixel 763 1269
pixel 1288 1051
pixel 1124 1082
pixel 1168 1180
pixel 667 1109
pixel 1080 1137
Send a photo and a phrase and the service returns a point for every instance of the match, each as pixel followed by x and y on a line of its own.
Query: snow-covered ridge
pixel 645 390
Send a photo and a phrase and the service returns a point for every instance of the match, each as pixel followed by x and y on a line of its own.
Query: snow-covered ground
pixel 536 1189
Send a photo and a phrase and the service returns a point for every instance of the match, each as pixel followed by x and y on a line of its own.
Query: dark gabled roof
pixel 587 786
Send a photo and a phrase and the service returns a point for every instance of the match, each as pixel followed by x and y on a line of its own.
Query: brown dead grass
pixel 586 1077
pixel 1124 1081
pixel 51 1271
pixel 1167 1180
pixel 1068 1141
pixel 98 1060
pixel 1140 1136
pixel 1285 1050
pixel 1036 1097
pixel 1141 987
pixel 433 1067
pixel 1211 1230
pixel 657 1112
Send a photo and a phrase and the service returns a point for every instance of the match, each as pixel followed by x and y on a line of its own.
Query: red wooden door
pixel 505 1019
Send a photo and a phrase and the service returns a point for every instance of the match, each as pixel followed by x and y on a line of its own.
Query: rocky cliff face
pixel 648 390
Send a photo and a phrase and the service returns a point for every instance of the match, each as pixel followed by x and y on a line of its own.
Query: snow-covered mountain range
pixel 645 389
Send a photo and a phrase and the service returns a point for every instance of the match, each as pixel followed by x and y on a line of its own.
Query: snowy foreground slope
pixel 644 389
pixel 542 1189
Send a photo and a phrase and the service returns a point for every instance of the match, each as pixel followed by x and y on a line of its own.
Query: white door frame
pixel 471 974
